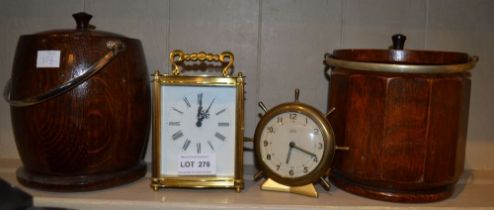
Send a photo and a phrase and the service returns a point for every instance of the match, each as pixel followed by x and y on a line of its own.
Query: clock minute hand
pixel 199 109
pixel 200 116
pixel 303 150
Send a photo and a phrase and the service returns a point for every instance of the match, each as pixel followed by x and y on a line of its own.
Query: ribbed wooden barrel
pixel 404 115
pixel 75 133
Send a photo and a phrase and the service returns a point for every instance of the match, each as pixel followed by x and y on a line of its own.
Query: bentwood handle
pixel 201 56
pixel 114 46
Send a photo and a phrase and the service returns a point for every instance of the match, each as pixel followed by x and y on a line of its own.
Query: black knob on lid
pixel 82 20
pixel 398 41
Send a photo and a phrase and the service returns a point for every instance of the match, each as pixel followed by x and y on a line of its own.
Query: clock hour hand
pixel 200 117
pixel 289 152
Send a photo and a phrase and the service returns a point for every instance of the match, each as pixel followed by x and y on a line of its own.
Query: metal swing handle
pixel 201 56
pixel 114 46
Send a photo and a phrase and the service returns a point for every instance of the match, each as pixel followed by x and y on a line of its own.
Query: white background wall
pixel 278 44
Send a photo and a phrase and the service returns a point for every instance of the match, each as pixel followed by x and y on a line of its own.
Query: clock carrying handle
pixel 178 56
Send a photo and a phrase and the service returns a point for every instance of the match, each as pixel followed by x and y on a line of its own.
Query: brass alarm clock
pixel 294 147
pixel 198 126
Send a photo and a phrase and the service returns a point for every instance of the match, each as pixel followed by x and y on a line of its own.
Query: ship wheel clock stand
pixel 294 147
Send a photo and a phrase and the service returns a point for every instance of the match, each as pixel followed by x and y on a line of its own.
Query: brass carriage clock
pixel 294 146
pixel 198 126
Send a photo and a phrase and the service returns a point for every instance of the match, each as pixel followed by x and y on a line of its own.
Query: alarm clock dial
pixel 198 130
pixel 292 145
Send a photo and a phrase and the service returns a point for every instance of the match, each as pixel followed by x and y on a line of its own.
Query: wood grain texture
pixel 406 132
pixel 93 136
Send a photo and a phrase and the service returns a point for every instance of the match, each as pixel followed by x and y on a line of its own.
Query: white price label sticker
pixel 203 164
pixel 48 59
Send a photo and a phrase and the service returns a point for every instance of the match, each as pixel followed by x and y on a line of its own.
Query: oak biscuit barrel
pixel 80 108
pixel 404 116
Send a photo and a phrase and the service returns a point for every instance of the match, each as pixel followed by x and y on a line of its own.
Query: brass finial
pixel 297 94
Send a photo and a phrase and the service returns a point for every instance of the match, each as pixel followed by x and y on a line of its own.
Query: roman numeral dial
pixel 200 123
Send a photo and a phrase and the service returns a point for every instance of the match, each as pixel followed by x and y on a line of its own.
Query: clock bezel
pixel 323 167
pixel 159 180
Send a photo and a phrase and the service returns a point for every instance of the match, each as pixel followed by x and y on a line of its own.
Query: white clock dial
pixel 291 145
pixel 198 122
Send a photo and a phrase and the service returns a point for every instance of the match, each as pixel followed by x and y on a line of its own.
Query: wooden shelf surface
pixel 475 190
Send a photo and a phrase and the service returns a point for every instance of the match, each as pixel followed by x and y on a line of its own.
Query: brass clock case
pixel 160 81
pixel 322 169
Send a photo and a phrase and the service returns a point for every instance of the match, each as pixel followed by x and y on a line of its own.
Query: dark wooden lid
pixel 397 60
pixel 83 28
pixel 413 57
